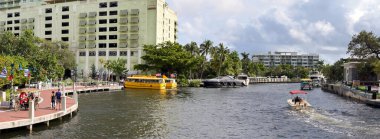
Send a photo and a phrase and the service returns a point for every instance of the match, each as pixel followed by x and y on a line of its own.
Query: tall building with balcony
pixel 289 58
pixel 94 29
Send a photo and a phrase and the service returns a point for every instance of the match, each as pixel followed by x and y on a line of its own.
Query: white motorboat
pixel 297 102
pixel 243 78
pixel 317 78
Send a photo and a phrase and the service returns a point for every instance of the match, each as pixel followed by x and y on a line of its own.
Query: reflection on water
pixel 256 111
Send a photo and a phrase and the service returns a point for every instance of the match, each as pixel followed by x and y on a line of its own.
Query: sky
pixel 323 27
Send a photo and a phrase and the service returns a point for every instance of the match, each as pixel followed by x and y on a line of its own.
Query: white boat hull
pixel 303 105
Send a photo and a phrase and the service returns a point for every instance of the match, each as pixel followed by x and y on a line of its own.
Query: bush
pixel 195 83
pixel 182 81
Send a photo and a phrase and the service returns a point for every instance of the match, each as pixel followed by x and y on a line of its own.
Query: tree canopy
pixel 364 45
pixel 45 59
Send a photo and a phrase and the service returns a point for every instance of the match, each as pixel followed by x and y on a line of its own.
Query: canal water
pixel 256 111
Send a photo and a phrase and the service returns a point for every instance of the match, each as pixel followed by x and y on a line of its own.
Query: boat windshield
pixel 242 77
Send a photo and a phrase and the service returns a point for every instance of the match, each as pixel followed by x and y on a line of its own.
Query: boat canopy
pixel 297 92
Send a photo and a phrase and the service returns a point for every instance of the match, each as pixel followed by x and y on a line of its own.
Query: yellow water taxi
pixel 145 82
pixel 170 83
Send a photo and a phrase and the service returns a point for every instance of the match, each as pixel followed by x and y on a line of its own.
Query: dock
pixel 43 114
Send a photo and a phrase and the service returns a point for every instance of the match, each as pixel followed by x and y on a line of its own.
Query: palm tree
pixel 245 62
pixel 194 50
pixel 221 54
pixel 205 49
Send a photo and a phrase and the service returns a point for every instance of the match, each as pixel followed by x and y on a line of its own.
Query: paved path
pixel 43 109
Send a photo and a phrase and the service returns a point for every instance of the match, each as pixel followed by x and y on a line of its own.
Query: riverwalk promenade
pixel 43 113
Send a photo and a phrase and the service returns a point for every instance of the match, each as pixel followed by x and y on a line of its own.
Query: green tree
pixel 117 67
pixel 245 62
pixel 205 49
pixel 334 72
pixel 167 58
pixel 236 64
pixel 93 71
pixel 364 45
pixel 219 56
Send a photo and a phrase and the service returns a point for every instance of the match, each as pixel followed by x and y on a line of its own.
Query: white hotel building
pixel 289 58
pixel 94 29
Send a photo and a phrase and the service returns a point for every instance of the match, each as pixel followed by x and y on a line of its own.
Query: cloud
pixel 258 26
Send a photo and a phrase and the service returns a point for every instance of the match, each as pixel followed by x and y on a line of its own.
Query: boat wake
pixel 329 122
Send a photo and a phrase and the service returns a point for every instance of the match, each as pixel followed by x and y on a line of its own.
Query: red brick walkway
pixel 43 109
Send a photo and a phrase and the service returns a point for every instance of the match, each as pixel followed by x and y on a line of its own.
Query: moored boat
pixel 170 83
pixel 306 84
pixel 145 82
pixel 222 81
pixel 243 78
pixel 297 102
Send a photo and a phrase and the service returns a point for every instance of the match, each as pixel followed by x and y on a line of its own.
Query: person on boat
pixel 297 99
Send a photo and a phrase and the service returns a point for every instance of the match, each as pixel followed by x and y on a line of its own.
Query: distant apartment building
pixel 290 58
pixel 94 29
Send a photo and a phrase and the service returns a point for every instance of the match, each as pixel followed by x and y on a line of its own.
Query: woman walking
pixel 52 100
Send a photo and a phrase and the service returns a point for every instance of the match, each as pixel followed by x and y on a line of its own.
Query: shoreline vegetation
pixel 204 61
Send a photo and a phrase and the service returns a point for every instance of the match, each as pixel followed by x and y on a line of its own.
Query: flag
pixel 3 73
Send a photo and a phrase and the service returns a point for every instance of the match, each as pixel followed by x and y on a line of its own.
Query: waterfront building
pixel 94 29
pixel 290 58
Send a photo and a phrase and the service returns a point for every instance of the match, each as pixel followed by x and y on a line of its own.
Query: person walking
pixel 58 96
pixel 52 100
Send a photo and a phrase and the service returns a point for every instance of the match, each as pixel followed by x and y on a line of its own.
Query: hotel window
pixel 102 29
pixel 65 16
pixel 112 53
pixel 112 45
pixel 17 21
pixel 112 29
pixel 48 18
pixel 65 31
pixel 133 53
pixel 113 4
pixel 17 34
pixel 9 15
pixel 65 8
pixel 102 45
pixel 103 5
pixel 82 53
pixel 103 13
pixel 65 39
pixel 48 25
pixel 123 53
pixel 92 53
pixel 102 37
pixel 112 37
pixel 9 22
pixel 9 28
pixel 17 14
pixel 103 21
pixel 113 12
pixel 113 21
pixel 102 53
pixel 47 32
pixel 65 24
pixel 49 39
pixel 17 28
pixel 48 10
